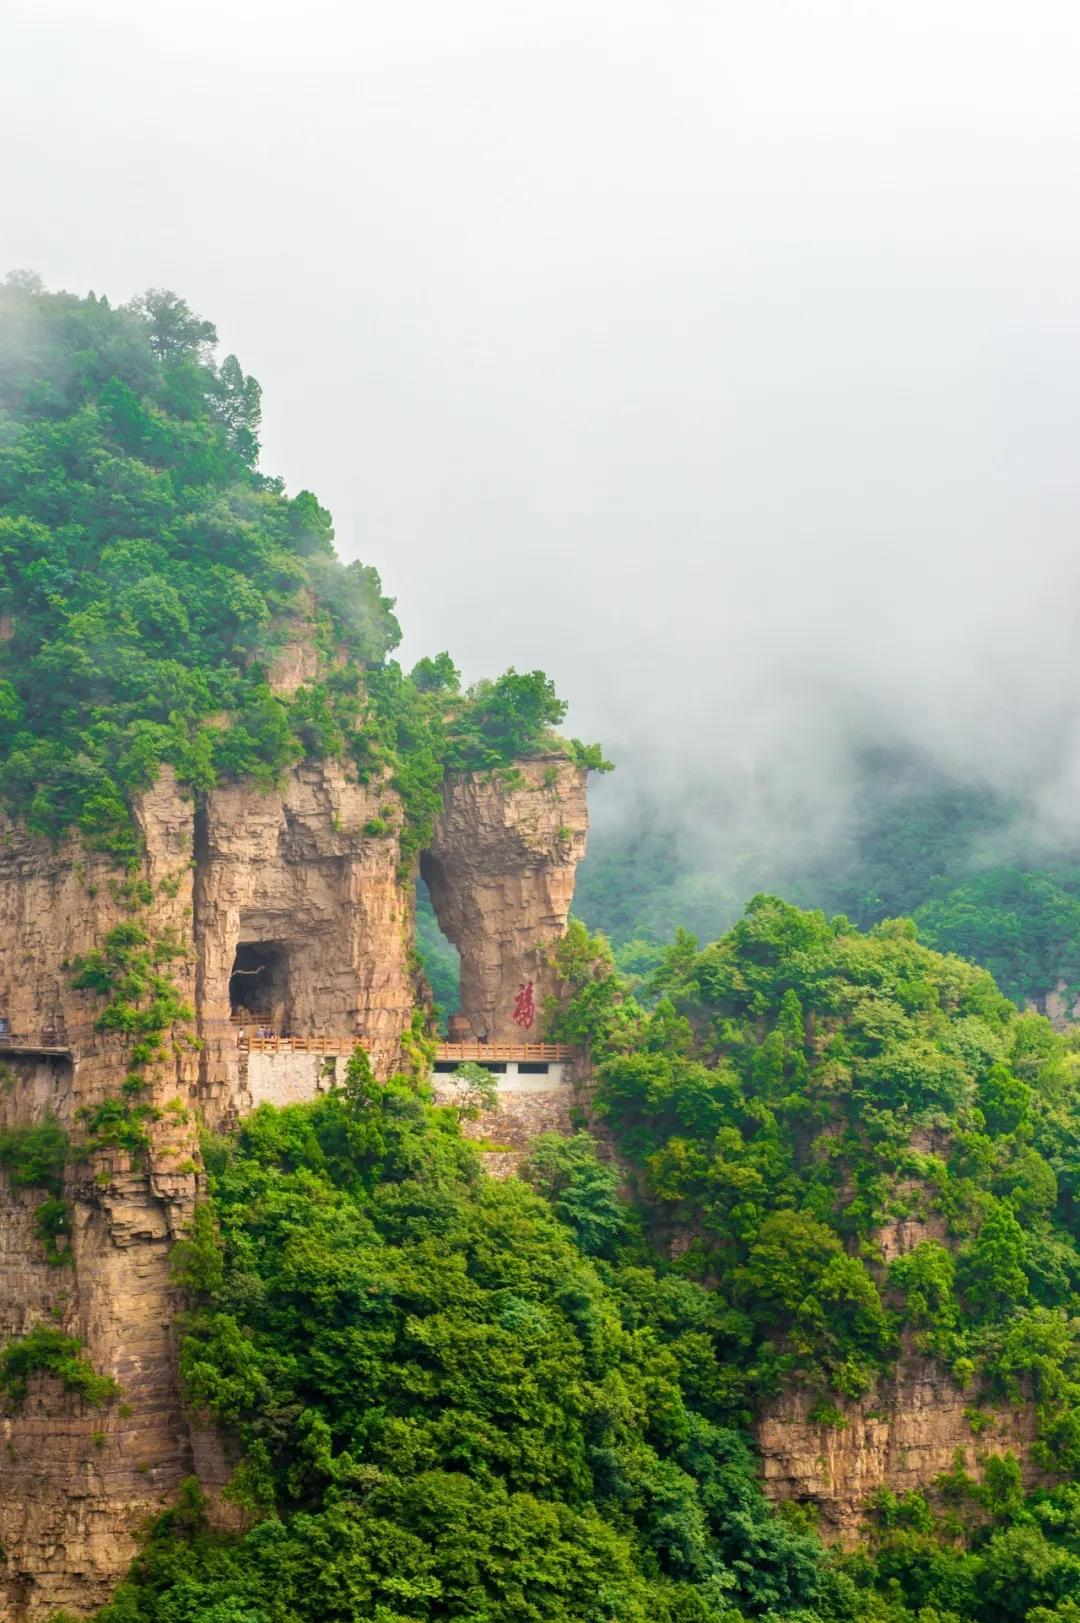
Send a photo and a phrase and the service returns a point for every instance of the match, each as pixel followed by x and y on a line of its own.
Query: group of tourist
pixel 261 1031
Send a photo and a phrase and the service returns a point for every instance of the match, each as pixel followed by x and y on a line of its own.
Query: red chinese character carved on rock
pixel 524 1005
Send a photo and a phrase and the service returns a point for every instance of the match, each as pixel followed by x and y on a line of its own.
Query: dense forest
pixel 463 1398
pixel 957 858
pixel 452 1397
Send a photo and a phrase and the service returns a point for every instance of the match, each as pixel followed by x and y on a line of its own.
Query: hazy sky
pixel 720 356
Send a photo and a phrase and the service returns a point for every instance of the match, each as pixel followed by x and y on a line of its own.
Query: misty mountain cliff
pixel 787 1329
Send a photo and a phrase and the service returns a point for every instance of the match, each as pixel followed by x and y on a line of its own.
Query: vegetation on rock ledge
pixel 149 573
pixel 47 1351
pixel 459 1398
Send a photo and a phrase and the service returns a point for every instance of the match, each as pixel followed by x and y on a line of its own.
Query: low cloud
pixel 722 360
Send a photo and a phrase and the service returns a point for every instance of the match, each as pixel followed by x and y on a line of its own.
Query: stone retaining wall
pixel 527 1106
pixel 287 1078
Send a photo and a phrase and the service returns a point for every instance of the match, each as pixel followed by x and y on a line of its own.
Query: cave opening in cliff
pixel 257 985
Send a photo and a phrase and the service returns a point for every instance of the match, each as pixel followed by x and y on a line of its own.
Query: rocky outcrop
pixel 1061 1006
pixel 311 868
pixel 299 888
pixel 912 1427
pixel 308 876
pixel 501 874
pixel 77 1481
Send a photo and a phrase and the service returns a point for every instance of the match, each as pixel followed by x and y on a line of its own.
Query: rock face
pixel 501 874
pixel 291 904
pixel 1060 1006
pixel 901 1436
pixel 293 876
pixel 78 1481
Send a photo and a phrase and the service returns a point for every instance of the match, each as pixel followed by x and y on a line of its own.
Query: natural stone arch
pixel 500 869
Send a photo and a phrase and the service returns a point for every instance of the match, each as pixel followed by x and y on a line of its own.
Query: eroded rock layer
pixel 300 890
pixel 913 1426
pixel 295 876
pixel 902 1436
pixel 501 874
pixel 78 1481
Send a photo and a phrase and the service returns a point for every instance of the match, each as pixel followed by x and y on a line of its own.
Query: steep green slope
pixel 149 572
pixel 952 855
pixel 1024 924
pixel 801 1084
pixel 448 1408
pixel 458 1398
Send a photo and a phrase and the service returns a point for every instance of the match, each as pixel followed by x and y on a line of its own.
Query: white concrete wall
pixel 512 1080
pixel 288 1078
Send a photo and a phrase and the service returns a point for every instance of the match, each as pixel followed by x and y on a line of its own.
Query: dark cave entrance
pixel 258 982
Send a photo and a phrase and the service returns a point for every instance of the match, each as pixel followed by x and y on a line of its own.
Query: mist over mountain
pixel 712 372
pixel 723 363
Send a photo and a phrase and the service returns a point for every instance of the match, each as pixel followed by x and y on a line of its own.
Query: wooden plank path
pixel 459 1052
pixel 479 1052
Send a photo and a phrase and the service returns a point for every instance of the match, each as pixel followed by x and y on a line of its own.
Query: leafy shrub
pixel 48 1352
pixel 34 1157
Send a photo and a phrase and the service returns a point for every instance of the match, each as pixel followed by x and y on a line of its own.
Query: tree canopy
pixel 461 1398
pixel 448 1406
pixel 149 572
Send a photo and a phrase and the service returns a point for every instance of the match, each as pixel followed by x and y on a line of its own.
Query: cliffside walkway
pixel 555 1053
pixel 478 1053
pixel 16 1045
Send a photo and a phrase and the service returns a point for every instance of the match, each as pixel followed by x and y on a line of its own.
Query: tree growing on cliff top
pixel 149 572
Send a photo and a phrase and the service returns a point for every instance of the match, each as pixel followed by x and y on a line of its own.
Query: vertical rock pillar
pixel 501 875
pixel 77 1481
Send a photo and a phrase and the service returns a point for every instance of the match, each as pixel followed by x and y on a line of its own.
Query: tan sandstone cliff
pixel 304 885
pixel 77 1481
pixel 903 1435
pixel 501 874
pixel 296 873
pixel 913 1426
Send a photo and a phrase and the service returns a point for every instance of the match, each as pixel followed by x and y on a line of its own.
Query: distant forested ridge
pixel 919 844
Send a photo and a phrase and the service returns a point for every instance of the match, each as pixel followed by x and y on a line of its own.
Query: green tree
pixel 476 1090
pixel 993 1274
pixel 581 1189
pixel 175 331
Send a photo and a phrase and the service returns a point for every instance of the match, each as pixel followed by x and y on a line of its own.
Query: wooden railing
pixel 459 1052
pixel 479 1052
pixel 300 1045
